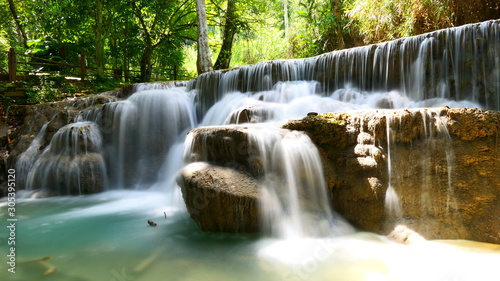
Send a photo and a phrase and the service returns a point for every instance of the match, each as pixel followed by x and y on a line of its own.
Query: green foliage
pixel 261 45
pixel 141 37
pixel 387 20
pixel 47 90
pixel 6 34
pixel 5 102
pixel 57 87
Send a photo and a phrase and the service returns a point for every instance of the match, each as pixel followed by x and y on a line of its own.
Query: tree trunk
pixel 12 65
pixel 286 20
pixel 99 44
pixel 13 12
pixel 224 58
pixel 204 62
pixel 146 66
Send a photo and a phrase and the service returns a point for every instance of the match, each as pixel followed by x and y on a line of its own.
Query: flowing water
pixel 105 237
pixel 139 144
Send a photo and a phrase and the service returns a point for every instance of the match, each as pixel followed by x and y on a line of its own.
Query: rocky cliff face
pixel 442 164
pixel 435 170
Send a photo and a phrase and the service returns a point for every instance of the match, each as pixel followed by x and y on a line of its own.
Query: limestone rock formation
pixel 225 146
pixel 220 199
pixel 254 114
pixel 436 171
pixel 71 164
pixel 54 114
pixel 442 164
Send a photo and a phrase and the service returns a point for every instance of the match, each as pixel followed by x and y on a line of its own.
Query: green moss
pixel 328 131
pixel 333 118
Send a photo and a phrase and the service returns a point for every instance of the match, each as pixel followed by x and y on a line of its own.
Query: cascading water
pixel 140 131
pixel 457 63
pixel 72 163
pixel 295 201
pixel 435 167
pixel 26 160
pixel 137 143
pixel 392 202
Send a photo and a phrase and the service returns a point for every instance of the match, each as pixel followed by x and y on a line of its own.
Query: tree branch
pixel 137 13
pixel 13 11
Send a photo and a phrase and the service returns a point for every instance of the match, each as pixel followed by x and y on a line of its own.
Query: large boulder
pixel 220 199
pixel 435 170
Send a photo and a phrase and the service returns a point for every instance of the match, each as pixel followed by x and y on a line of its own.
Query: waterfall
pixel 392 202
pixel 458 63
pixel 136 143
pixel 295 201
pixel 140 131
pixel 25 161
pixel 433 175
pixel 375 165
pixel 72 163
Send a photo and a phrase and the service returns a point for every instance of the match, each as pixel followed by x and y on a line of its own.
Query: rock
pixel 442 165
pixel 72 164
pixel 404 235
pixel 90 174
pixel 254 114
pixel 220 199
pixel 54 114
pixel 445 169
pixel 225 146
pixel 70 175
pixel 152 223
pixel 5 131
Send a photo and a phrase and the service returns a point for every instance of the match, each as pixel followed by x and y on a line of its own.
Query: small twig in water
pixel 165 213
pixel 49 268
pixel 149 260
pixel 151 223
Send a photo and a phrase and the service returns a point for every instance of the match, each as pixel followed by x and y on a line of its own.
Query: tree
pixel 162 22
pixel 75 25
pixel 204 61
pixel 230 28
pixel 20 28
pixel 321 26
pixel 99 44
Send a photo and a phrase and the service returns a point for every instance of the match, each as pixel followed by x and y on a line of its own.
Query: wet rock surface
pixel 54 114
pixel 220 199
pixel 72 164
pixel 443 164
pixel 225 146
